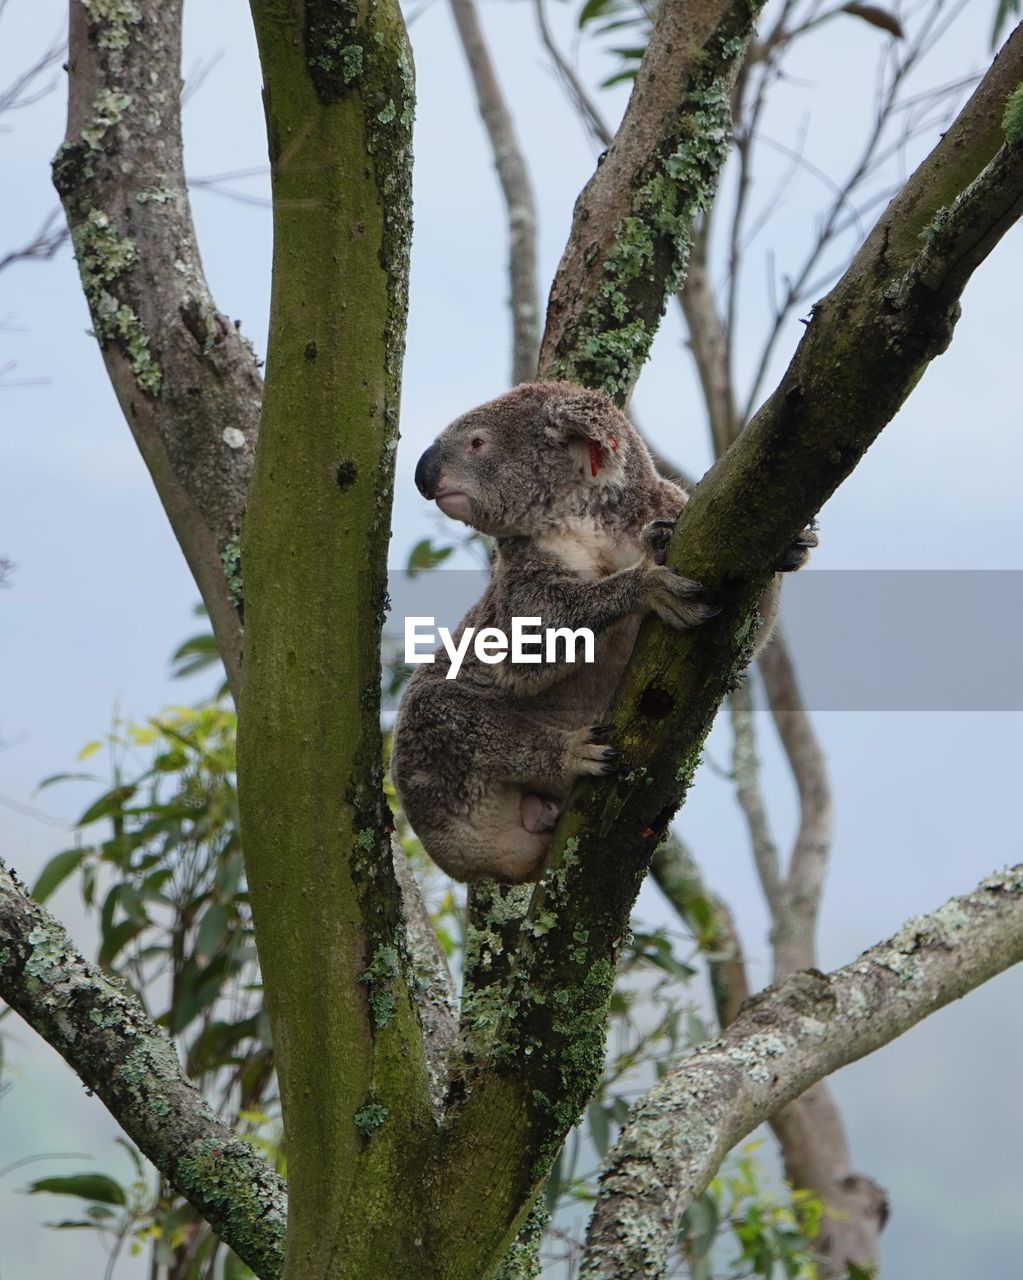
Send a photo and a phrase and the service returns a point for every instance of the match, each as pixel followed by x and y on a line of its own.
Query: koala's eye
pixel 476 443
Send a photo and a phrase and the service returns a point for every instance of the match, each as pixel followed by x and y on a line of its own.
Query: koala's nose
pixel 428 472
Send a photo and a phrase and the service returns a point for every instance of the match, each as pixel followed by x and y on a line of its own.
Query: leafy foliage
pixel 160 865
pixel 625 22
pixel 773 1236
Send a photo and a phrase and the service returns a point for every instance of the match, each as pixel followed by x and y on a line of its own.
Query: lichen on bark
pixel 600 327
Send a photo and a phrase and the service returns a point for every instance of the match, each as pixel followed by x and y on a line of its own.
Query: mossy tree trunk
pixel 338 97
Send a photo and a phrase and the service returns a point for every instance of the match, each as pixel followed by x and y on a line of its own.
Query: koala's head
pixel 539 453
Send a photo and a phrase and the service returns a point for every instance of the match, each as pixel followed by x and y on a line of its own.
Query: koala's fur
pixel 559 477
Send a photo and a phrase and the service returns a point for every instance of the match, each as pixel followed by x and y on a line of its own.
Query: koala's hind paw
pixel 680 602
pixel 656 537
pixel 798 554
pixel 588 751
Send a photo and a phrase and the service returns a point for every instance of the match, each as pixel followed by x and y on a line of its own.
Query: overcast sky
pixel 926 803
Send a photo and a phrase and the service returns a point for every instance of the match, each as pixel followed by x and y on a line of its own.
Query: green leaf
pixel 110 802
pixel 701 1225
pixel 56 872
pixel 877 17
pixel 600 1129
pixel 197 991
pixel 68 777
pixel 1002 12
pixel 116 939
pixel 196 654
pixel 212 932
pixel 235 1269
pixel 100 1213
pixel 87 1186
pixel 229 875
pixel 555 1182
pixel 595 9
pixel 424 555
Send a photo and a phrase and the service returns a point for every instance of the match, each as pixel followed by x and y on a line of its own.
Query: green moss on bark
pixel 610 341
pixel 1012 118
pixel 326 906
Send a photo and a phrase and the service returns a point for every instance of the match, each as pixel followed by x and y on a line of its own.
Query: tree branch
pixel 708 341
pixel 809 1130
pixel 130 1064
pixel 631 230
pixel 191 392
pixel 795 917
pixel 516 187
pixel 679 879
pixel 784 1041
pixel 574 88
pixel 186 380
pixel 746 773
pixel 437 999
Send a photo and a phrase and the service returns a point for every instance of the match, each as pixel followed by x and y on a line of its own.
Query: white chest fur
pixel 584 548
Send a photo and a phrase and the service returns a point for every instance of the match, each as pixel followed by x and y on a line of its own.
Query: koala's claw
pixel 678 601
pixel 589 752
pixel 798 554
pixel 656 537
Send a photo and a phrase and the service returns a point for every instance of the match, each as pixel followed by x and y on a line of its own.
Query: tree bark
pixel 348 1046
pixel 185 378
pixel 106 1037
pixel 784 1041
pixel 631 230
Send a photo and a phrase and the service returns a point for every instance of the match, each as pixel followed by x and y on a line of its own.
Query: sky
pixel 926 801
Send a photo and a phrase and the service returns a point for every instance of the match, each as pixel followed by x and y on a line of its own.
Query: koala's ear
pixel 589 422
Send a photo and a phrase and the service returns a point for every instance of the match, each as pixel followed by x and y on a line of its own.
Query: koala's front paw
pixel 656 537
pixel 798 554
pixel 588 751
pixel 680 602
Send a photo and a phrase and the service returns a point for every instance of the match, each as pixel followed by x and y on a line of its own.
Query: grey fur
pixel 483 763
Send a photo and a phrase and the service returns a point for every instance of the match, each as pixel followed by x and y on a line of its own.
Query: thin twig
pixel 515 186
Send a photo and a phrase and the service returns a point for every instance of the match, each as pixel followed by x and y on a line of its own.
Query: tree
pixel 355 1054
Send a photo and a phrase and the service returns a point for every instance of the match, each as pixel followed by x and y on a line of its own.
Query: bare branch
pixel 50 237
pixel 782 1043
pixel 517 189
pixel 679 879
pixel 895 73
pixel 25 88
pixel 185 378
pixel 129 1063
pixel 795 916
pixel 746 772
pixel 708 341
pixel 574 88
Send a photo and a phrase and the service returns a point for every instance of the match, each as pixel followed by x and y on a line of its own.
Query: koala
pixel 562 481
